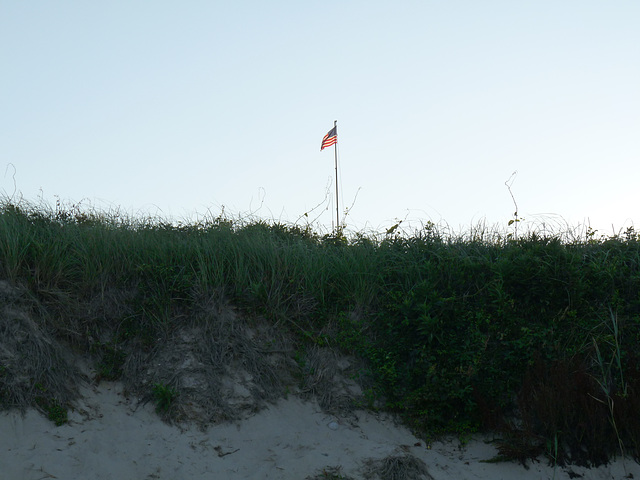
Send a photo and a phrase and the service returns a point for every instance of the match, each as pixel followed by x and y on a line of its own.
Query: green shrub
pixel 164 397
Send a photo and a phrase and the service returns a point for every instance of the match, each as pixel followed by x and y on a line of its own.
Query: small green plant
pixel 110 366
pixel 57 413
pixel 371 397
pixel 164 397
pixel 516 219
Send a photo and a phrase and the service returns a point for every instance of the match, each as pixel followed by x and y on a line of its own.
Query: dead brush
pixel 330 473
pixel 396 467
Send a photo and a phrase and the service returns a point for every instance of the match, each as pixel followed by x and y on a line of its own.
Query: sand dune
pixel 110 436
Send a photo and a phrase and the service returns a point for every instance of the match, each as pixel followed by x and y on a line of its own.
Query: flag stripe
pixel 330 138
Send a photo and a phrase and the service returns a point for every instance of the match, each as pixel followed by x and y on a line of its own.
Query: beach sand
pixel 110 436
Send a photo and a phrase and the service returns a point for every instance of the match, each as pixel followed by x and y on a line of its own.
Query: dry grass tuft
pixel 396 467
pixel 330 473
pixel 35 370
pixel 328 377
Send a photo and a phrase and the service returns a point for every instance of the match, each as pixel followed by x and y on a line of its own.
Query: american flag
pixel 330 138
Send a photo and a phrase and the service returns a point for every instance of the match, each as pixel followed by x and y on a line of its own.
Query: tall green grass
pixel 459 332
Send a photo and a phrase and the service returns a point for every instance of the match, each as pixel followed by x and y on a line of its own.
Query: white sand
pixel 110 437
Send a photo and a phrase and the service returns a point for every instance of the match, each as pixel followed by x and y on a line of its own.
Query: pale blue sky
pixel 181 107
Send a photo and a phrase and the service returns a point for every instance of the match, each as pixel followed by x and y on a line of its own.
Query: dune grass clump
pixel 533 335
pixel 164 396
pixel 34 369
pixel 396 467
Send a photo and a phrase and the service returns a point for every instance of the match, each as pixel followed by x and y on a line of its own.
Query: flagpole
pixel 335 125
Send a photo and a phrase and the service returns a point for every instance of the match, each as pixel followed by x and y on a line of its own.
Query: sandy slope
pixel 112 437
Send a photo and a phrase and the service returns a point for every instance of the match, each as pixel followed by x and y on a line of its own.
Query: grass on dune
pixel 534 336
